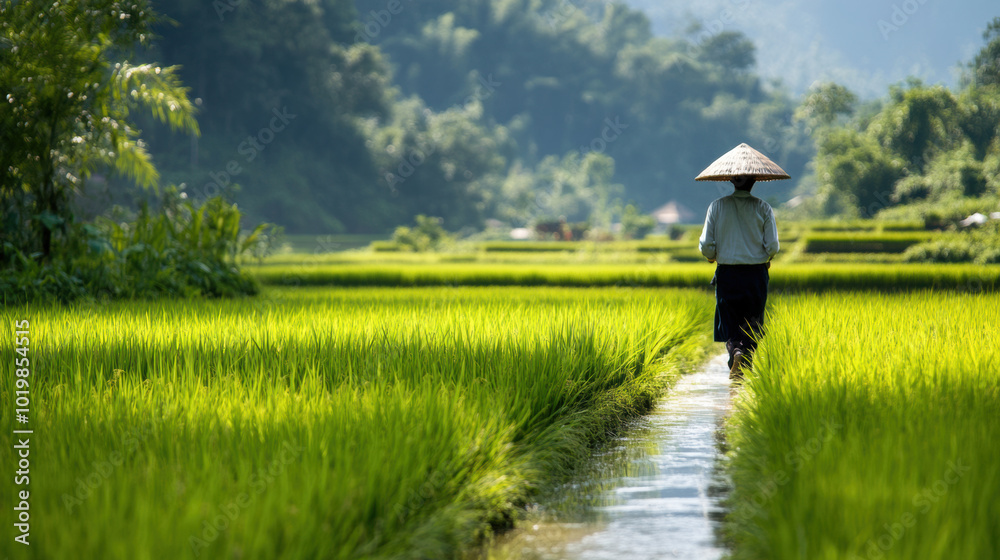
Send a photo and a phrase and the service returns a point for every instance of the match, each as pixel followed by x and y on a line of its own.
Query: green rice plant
pixel 643 246
pixel 842 242
pixel 858 258
pixel 385 246
pixel 841 225
pixel 868 429
pixel 532 246
pixel 326 423
pixel 857 226
pixel 912 225
pixel 784 277
pixel 327 242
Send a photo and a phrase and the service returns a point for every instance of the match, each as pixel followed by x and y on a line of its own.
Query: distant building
pixel 976 219
pixel 672 213
pixel 520 233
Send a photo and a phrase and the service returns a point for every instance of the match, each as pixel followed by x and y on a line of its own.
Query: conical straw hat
pixel 742 160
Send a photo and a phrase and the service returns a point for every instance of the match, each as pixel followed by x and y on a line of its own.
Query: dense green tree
pixel 951 175
pixel 621 27
pixel 446 164
pixel 572 188
pixel 991 168
pixel 986 65
pixel 730 50
pixel 925 148
pixel 302 121
pixel 253 61
pixel 979 117
pixel 636 225
pixel 918 123
pixel 589 76
pixel 825 103
pixel 69 110
pixel 854 165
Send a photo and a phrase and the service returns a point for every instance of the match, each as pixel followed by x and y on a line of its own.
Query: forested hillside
pixel 864 45
pixel 926 152
pixel 339 116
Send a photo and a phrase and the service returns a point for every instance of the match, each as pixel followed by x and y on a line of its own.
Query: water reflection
pixel 655 492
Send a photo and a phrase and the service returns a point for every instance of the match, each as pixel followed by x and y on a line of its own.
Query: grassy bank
pixel 326 423
pixel 868 429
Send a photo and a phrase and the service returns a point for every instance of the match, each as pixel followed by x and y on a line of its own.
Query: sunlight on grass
pixel 868 429
pixel 328 422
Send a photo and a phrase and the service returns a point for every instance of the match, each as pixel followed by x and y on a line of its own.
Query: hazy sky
pixel 863 44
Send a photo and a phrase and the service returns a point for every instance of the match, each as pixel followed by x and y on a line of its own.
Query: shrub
pixel 979 245
pixel 183 250
pixel 941 214
pixel 941 251
pixel 428 235
pixel 636 225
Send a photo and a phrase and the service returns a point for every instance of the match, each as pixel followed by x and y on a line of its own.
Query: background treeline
pixel 924 152
pixel 512 109
pixel 332 116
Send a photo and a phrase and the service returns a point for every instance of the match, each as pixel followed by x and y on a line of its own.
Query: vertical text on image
pixel 22 435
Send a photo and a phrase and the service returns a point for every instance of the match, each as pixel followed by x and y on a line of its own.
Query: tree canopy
pixel 437 108
pixel 922 150
pixel 69 111
pixel 341 116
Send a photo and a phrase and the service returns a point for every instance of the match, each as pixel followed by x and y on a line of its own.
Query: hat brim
pixel 756 176
pixel 743 161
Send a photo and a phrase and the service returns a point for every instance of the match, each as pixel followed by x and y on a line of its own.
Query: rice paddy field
pixel 869 428
pixel 411 405
pixel 784 277
pixel 327 422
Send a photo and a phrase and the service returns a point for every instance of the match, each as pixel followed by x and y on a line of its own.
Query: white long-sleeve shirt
pixel 739 229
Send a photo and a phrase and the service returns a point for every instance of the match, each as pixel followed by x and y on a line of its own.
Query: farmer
pixel 740 235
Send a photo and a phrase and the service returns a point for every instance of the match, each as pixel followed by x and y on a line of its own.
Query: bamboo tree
pixel 70 99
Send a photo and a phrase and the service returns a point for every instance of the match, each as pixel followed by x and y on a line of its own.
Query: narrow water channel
pixel 653 493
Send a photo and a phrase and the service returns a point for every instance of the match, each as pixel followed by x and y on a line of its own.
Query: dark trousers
pixel 740 296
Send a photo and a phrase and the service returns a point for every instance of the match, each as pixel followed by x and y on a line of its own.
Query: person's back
pixel 741 235
pixel 739 229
